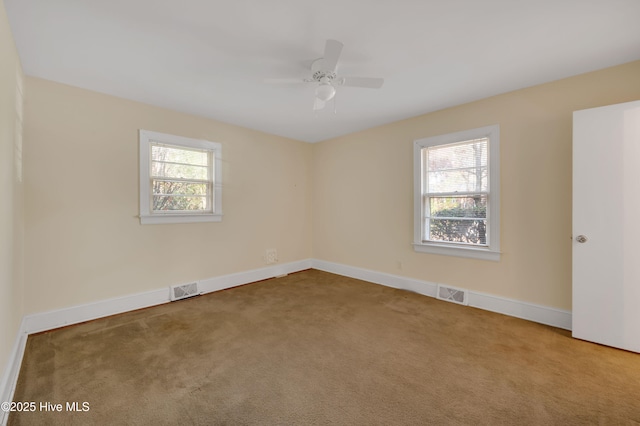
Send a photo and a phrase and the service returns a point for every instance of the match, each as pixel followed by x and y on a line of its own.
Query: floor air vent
pixel 452 294
pixel 183 291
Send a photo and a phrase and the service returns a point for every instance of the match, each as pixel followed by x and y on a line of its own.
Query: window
pixel 456 194
pixel 179 179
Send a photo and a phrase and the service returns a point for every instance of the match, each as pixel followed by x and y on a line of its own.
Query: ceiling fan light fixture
pixel 325 79
pixel 325 91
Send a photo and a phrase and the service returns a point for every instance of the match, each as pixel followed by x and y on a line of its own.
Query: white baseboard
pixel 76 314
pixel 246 277
pixel 44 321
pixel 502 305
pixel 12 369
pixel 515 308
pixel 417 286
pixel 36 323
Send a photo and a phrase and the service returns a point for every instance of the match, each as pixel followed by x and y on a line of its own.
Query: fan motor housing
pixel 326 75
pixel 319 73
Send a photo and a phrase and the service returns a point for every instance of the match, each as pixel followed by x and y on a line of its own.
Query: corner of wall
pixel 12 339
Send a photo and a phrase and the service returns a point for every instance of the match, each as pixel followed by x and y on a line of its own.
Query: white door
pixel 606 225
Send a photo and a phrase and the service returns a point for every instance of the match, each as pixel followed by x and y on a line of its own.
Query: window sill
pixel 469 252
pixel 179 218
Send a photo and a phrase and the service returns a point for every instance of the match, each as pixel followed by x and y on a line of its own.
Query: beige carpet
pixel 317 348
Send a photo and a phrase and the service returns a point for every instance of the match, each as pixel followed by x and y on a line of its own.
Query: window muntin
pixel 179 179
pixel 456 194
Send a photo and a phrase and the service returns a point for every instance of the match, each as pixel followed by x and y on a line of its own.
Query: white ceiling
pixel 209 57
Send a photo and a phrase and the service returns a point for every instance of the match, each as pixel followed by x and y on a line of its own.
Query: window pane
pixel 458 167
pixel 179 155
pixel 463 207
pixel 461 180
pixel 176 202
pixel 182 171
pixel 161 187
pixel 468 231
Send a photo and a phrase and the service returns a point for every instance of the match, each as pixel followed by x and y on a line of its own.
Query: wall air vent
pixel 183 291
pixel 452 294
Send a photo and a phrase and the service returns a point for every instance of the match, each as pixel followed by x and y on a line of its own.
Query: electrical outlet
pixel 270 256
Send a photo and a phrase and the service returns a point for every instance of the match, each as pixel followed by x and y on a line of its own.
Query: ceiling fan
pixel 325 77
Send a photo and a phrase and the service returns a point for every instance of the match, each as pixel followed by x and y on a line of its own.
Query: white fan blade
pixel 284 80
pixel 332 51
pixel 318 104
pixel 368 82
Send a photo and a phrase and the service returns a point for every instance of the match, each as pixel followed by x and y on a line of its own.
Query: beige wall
pixel 11 223
pixel 83 241
pixel 363 205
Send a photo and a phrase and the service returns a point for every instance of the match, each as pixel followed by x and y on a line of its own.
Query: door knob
pixel 581 239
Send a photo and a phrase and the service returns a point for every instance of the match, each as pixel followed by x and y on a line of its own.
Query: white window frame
pixel 147 216
pixel 492 250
